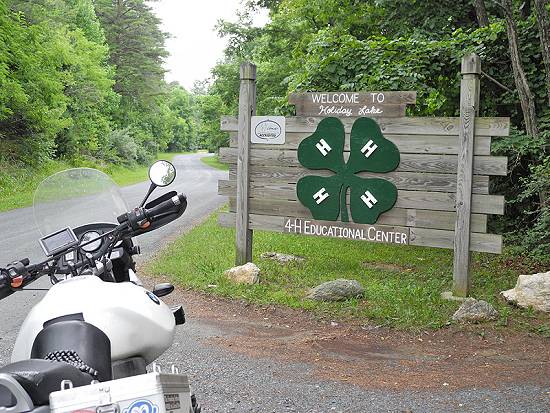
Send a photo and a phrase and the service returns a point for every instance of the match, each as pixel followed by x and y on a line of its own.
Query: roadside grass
pixel 17 185
pixel 214 162
pixel 403 284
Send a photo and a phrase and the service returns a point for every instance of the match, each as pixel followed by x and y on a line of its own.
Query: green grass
pixel 17 185
pixel 127 176
pixel 407 298
pixel 214 162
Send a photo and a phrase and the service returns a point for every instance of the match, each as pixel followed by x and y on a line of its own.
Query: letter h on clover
pixel 326 196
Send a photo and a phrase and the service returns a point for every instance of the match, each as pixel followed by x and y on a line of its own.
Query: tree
pixel 180 104
pixel 137 49
pixel 526 97
pixel 544 33
pixel 61 47
pixel 208 111
pixel 481 13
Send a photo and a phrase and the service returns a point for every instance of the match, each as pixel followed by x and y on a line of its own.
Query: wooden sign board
pixel 437 170
pixel 352 104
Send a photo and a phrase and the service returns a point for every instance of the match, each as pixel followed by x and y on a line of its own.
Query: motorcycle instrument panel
pixel 92 246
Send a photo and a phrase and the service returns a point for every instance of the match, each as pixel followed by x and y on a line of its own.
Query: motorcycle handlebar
pixel 5 289
pixel 165 207
pixel 127 222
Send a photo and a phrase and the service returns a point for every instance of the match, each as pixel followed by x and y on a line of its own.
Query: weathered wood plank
pixel 351 110
pixel 398 97
pixel 247 109
pixel 430 144
pixel 483 165
pixel 444 239
pixel 402 126
pixel 412 181
pixel 347 230
pixel 346 104
pixel 438 201
pixel 396 216
pixel 418 236
pixel 469 105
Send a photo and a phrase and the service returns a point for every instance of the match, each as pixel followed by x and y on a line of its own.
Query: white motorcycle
pixel 85 346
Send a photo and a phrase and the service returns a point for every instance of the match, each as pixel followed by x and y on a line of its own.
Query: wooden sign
pixel 351 160
pixel 352 104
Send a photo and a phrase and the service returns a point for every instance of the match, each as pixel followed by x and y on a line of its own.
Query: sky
pixel 195 46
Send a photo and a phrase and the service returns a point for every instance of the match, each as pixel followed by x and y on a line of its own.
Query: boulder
pixel 248 273
pixel 475 311
pixel 282 258
pixel 531 291
pixel 337 290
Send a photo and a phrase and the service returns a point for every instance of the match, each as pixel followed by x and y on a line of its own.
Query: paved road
pixel 226 381
pixel 19 237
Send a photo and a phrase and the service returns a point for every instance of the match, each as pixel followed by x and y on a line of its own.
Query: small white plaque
pixel 268 130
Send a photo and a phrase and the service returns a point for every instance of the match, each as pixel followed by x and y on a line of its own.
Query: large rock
pixel 248 273
pixel 282 258
pixel 531 291
pixel 475 311
pixel 337 290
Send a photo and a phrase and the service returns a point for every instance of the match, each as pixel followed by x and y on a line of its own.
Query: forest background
pixel 82 81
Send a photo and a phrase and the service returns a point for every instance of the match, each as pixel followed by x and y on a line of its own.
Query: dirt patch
pixel 370 357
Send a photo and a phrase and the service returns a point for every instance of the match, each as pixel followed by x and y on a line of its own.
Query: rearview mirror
pixel 162 173
pixel 163 289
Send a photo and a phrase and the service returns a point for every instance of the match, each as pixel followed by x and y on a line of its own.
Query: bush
pixel 124 145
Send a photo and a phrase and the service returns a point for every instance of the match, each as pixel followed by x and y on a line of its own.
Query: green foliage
pixel 83 79
pixel 181 106
pixel 32 103
pixel 527 189
pixel 353 45
pixel 124 145
pixel 208 111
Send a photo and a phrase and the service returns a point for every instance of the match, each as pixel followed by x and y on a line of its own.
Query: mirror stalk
pixel 152 187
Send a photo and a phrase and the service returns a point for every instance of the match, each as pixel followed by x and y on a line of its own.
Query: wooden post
pixel 247 108
pixel 469 108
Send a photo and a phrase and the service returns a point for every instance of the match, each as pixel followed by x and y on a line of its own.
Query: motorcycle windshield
pixel 76 197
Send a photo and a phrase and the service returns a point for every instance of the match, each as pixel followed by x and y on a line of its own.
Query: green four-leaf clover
pixel 326 197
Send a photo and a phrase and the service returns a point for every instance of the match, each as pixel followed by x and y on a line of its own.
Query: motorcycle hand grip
pixel 170 205
pixel 5 288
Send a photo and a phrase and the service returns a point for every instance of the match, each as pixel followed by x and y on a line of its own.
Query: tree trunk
pixel 526 97
pixel 543 23
pixel 525 9
pixel 481 13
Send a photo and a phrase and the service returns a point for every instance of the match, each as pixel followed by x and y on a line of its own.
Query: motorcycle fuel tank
pixel 135 320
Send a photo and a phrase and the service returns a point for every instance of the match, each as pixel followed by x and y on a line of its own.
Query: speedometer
pixel 88 236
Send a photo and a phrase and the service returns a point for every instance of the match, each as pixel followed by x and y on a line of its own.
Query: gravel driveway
pixel 246 359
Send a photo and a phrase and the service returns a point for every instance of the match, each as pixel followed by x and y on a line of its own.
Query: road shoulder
pixel 373 357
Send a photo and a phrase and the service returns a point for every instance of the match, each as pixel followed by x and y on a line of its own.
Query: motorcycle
pixel 97 324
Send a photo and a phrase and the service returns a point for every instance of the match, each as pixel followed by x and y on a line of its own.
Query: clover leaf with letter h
pixel 326 197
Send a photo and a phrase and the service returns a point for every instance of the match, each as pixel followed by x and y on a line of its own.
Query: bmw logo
pixel 153 297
